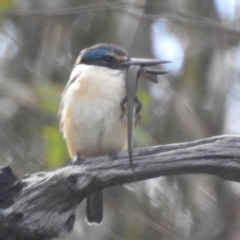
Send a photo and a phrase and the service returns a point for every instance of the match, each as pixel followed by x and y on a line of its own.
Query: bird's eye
pixel 108 58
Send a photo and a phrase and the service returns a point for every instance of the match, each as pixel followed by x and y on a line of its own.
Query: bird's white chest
pixel 92 104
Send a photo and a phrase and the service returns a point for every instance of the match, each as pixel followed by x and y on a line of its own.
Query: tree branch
pixel 42 205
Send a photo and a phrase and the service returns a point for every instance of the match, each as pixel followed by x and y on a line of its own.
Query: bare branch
pixel 122 7
pixel 42 205
pixel 63 12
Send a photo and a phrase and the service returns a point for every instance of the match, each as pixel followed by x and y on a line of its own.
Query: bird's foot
pixel 78 160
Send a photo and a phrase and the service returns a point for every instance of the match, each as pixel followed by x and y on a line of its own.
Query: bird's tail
pixel 94 211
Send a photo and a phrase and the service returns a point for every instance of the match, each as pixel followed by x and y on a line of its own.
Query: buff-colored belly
pixel 97 129
pixel 92 119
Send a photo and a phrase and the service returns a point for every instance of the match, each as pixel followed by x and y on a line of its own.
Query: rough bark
pixel 42 205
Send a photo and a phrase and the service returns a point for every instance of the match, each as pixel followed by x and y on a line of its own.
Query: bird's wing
pixel 72 79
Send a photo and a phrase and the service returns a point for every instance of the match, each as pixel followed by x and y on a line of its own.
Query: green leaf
pixel 56 151
pixel 6 5
pixel 144 97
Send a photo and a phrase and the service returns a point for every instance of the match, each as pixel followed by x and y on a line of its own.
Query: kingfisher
pixel 92 118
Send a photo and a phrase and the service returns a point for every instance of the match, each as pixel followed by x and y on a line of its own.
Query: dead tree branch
pixel 42 205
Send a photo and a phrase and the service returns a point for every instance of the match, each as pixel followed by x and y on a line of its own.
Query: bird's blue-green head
pixel 111 56
pixel 106 55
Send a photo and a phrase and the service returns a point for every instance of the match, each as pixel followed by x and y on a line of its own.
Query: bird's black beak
pixel 142 62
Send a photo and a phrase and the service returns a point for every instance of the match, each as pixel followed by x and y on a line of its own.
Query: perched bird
pixel 92 120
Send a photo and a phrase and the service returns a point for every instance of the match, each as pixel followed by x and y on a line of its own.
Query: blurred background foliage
pixel 200 97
